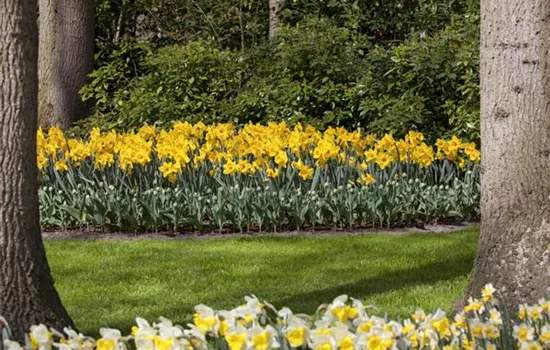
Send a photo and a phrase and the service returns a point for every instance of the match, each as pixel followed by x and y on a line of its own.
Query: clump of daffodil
pixel 245 151
pixel 344 324
pixel 133 171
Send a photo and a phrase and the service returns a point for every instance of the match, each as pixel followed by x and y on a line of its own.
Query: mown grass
pixel 109 283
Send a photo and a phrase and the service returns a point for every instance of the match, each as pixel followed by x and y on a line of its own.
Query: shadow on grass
pixel 427 274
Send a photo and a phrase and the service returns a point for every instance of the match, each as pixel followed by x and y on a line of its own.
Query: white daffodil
pixel 144 334
pixel 12 345
pixel 359 306
pixel 322 342
pixel 438 322
pixel 495 318
pixel 77 341
pixel 296 331
pixel 236 337
pixel 365 323
pixel 394 327
pixel 167 329
pixel 474 305
pixel 226 319
pixel 41 337
pixel 476 328
pixel 260 338
pixel 523 333
pixel 530 345
pixel 425 336
pixel 205 319
pixel 194 338
pixel 418 316
pixel 245 316
pixel 545 334
pixel 343 337
pixel 253 303
pixel 408 327
pixel 379 338
pixel 460 321
pixel 490 332
pixel 322 326
pixel 111 339
pixel 544 304
pixel 285 313
pixel 522 312
pixel 339 311
pixel 534 312
pixel 162 343
pixel 488 293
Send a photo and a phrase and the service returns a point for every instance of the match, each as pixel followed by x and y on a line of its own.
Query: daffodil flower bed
pixel 255 177
pixel 344 324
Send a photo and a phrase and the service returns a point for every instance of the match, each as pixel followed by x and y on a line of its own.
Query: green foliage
pixel 5 332
pixel 117 67
pixel 231 24
pixel 426 83
pixel 327 66
pixel 111 199
pixel 386 20
pixel 303 75
pixel 180 82
pixel 243 24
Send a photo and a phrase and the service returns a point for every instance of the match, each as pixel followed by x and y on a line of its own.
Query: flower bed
pixel 257 177
pixel 344 324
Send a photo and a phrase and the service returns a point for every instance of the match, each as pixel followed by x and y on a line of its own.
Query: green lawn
pixel 108 283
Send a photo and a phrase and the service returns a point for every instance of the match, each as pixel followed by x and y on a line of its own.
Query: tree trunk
pixel 274 8
pixel 66 58
pixel 514 248
pixel 27 293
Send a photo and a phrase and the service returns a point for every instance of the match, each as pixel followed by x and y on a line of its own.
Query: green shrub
pixel 117 66
pixel 387 20
pixel 426 83
pixel 305 76
pixel 180 82
pixel 231 24
pixel 315 72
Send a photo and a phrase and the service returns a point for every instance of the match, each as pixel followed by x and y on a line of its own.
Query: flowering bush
pixel 257 176
pixel 344 324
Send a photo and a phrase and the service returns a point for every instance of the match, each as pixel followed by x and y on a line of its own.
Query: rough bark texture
pixel 27 293
pixel 66 57
pixel 274 8
pixel 514 252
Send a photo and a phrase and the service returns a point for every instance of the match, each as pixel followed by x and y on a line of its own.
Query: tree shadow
pixel 426 274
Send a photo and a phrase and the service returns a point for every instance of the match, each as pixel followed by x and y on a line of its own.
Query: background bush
pixel 304 75
pixel 426 83
pixel 177 82
pixel 387 66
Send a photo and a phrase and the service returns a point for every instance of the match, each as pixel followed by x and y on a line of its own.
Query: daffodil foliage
pixel 344 324
pixel 254 177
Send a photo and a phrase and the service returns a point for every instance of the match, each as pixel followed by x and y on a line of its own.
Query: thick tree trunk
pixel 66 58
pixel 514 248
pixel 27 293
pixel 274 8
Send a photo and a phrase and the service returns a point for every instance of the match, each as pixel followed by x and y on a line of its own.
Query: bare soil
pixel 87 235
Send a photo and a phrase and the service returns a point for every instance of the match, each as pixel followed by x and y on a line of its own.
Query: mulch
pixel 94 235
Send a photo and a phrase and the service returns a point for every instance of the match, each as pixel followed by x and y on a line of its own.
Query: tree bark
pixel 66 58
pixel 513 251
pixel 274 8
pixel 27 293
